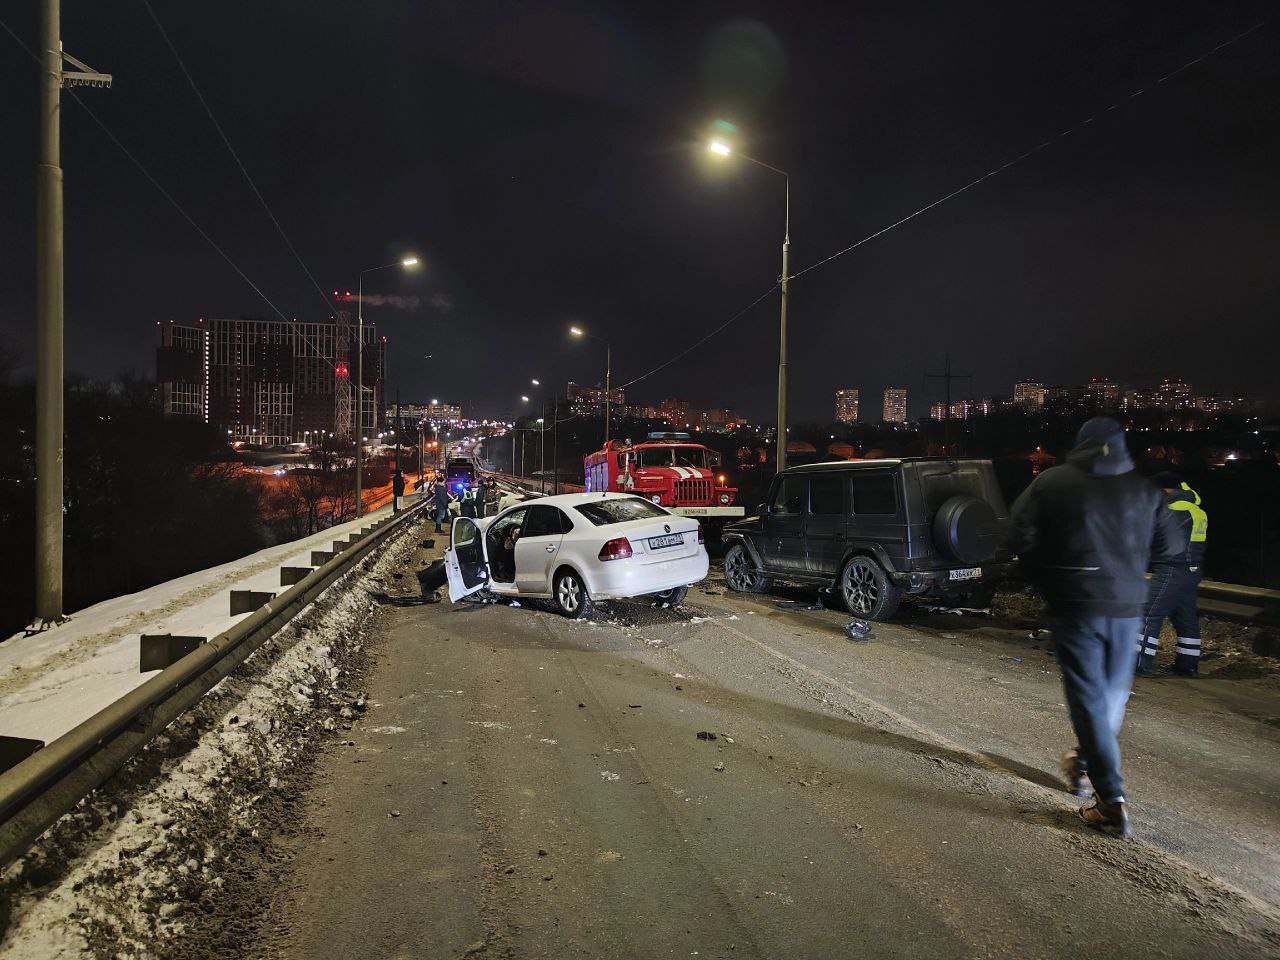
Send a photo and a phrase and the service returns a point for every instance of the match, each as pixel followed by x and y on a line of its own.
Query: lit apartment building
pixel 895 405
pixel 1028 394
pixel 268 381
pixel 847 406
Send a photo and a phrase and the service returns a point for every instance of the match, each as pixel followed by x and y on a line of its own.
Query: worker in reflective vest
pixel 1173 586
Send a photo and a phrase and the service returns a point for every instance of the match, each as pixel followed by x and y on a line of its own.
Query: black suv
pixel 873 529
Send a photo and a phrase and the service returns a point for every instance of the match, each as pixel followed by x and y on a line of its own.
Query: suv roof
pixel 867 464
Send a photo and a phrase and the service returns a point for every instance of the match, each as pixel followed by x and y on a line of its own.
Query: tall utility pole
pixel 608 385
pixel 49 311
pixel 555 440
pixel 946 377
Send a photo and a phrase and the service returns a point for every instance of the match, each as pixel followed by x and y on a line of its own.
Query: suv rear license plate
pixel 968 573
pixel 670 540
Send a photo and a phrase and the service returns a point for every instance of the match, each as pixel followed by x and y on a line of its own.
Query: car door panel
pixel 876 510
pixel 465 562
pixel 825 525
pixel 784 527
pixel 537 549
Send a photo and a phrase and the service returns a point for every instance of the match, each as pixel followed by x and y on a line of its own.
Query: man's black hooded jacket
pixel 1087 530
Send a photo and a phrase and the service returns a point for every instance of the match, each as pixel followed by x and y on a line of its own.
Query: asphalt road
pixel 523 786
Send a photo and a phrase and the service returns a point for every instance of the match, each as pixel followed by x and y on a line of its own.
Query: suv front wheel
pixel 867 590
pixel 740 573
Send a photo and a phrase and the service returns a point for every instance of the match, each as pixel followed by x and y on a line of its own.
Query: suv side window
pixel 874 493
pixel 826 495
pixel 789 497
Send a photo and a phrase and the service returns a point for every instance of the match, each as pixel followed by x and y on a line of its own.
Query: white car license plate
pixel 968 573
pixel 670 540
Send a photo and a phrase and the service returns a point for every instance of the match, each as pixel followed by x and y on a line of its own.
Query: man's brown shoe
pixel 1110 817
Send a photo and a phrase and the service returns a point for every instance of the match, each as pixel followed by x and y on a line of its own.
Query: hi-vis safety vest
pixel 1199 519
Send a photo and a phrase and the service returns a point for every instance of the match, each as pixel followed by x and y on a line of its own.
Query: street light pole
pixel 722 149
pixel 608 371
pixel 359 426
pixel 542 456
pixel 782 337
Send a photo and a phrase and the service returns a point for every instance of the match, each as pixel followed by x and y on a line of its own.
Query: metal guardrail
pixel 35 793
pixel 1235 601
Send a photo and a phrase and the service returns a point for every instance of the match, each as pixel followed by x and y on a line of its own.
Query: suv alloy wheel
pixel 867 590
pixel 740 573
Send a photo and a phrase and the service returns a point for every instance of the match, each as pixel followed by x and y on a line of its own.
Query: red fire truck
pixel 667 468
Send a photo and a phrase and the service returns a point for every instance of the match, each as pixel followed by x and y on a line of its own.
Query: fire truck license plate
pixel 969 573
pixel 670 540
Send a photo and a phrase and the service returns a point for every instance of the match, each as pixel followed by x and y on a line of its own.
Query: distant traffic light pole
pixel 359 424
pixel 49 312
pixel 720 148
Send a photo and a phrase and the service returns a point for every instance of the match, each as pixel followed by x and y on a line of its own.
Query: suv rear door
pixel 784 526
pixel 875 512
pixel 824 525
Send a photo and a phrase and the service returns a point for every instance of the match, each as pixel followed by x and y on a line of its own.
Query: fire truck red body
pixel 667 468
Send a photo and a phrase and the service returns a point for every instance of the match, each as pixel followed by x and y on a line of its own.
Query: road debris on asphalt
pixel 858 630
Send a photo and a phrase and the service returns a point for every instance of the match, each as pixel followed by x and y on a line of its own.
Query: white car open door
pixel 464 561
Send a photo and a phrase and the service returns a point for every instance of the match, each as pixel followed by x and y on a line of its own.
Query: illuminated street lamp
pixel 406 262
pixel 608 371
pixel 722 149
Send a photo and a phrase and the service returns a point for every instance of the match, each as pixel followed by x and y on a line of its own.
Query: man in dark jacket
pixel 397 490
pixel 1085 531
pixel 440 498
pixel 1174 583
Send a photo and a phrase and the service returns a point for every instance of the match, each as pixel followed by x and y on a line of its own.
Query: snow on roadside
pixel 135 870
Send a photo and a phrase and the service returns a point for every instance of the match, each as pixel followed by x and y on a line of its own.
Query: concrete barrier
pixel 13 750
pixel 291 575
pixel 247 601
pixel 156 651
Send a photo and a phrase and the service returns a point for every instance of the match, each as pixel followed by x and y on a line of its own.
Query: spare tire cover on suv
pixel 966 529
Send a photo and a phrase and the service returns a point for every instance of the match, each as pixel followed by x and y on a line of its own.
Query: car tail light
pixel 702 537
pixel 619 549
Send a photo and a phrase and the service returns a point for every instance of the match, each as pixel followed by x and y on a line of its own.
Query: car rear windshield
pixel 619 510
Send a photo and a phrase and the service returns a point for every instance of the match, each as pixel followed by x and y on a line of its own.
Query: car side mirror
pixel 762 510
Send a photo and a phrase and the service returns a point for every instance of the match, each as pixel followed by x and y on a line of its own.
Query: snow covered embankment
pixel 147 866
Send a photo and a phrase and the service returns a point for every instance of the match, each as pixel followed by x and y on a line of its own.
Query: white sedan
pixel 575 549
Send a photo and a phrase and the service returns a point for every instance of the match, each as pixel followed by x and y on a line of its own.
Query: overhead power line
pixel 696 344
pixel 1030 153
pixel 176 205
pixel 226 141
pixel 954 193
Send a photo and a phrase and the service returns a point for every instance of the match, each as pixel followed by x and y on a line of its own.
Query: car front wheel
pixel 571 597
pixel 867 590
pixel 740 573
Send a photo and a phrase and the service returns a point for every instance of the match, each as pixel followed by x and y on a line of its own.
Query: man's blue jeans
pixel 1096 657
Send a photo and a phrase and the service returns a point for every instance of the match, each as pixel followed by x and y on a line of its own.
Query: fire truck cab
pixel 667 468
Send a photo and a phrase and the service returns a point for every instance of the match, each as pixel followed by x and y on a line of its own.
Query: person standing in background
pixel 1173 587
pixel 440 497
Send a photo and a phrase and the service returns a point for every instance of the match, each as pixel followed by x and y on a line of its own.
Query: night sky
pixel 547 161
